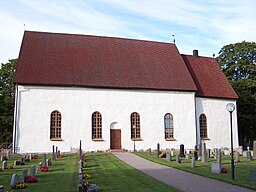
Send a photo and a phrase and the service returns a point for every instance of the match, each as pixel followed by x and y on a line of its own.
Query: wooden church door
pixel 115 138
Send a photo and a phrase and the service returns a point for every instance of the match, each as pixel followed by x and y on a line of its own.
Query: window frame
pixel 96 126
pixel 55 125
pixel 203 127
pixel 168 127
pixel 135 126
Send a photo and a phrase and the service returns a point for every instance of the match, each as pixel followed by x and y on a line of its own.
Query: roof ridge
pixel 101 36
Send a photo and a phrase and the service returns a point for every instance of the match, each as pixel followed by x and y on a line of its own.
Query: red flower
pixel 31 179
pixel 44 169
pixel 224 170
pixel 1 169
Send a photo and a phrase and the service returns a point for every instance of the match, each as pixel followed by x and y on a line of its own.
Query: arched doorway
pixel 115 136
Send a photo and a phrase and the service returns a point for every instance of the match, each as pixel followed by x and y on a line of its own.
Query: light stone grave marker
pixel 168 157
pixel 226 152
pixel 149 151
pixel 248 155
pixel 44 160
pixel 218 156
pixel 187 156
pixel 33 170
pixel 178 159
pixel 240 150
pixel 4 165
pixel 193 162
pixel 254 149
pixel 203 151
pixel 216 168
pixel 237 158
pixel 14 181
pixel 24 173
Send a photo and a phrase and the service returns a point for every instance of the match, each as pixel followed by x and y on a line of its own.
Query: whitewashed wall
pixel 218 122
pixel 76 105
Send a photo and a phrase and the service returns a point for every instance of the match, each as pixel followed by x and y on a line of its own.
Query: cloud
pixel 205 25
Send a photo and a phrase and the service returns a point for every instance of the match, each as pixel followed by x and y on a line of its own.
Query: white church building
pixel 117 93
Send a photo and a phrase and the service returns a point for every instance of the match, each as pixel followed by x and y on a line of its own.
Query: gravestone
pixel 203 151
pixel 248 155
pixel 39 166
pixel 30 157
pixel 33 170
pixel 4 165
pixel 44 160
pixel 244 153
pixel 215 153
pixel 240 150
pixel 1 188
pixel 24 173
pixel 168 156
pixel 188 151
pixel 254 149
pixel 208 153
pixel 226 152
pixel 158 150
pixel 195 153
pixel 1 157
pixel 8 154
pixel 149 151
pixel 193 162
pixel 216 168
pixel 47 163
pixel 14 181
pixel 253 175
pixel 178 159
pixel 187 156
pixel 58 153
pixel 53 154
pixel 237 159
pixel 182 151
pixel 218 155
pixel 172 153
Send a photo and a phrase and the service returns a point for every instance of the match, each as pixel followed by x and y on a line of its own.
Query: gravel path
pixel 181 180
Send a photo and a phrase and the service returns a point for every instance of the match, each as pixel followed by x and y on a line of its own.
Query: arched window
pixel 55 125
pixel 135 125
pixel 203 126
pixel 168 126
pixel 96 125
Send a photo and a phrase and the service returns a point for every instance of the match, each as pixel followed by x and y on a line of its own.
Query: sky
pixel 195 24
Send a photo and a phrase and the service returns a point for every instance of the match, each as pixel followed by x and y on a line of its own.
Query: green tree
pixel 238 62
pixel 7 97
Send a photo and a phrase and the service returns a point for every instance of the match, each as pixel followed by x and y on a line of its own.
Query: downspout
pixel 196 123
pixel 15 119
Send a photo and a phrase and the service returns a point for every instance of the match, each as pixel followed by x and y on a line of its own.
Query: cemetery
pixel 102 171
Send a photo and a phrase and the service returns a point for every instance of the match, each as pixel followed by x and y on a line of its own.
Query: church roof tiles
pixel 92 61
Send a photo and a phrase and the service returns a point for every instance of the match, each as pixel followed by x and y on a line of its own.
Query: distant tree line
pixel 238 62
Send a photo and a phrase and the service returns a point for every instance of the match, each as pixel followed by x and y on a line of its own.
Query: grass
pixel 111 174
pixel 107 171
pixel 242 168
pixel 62 175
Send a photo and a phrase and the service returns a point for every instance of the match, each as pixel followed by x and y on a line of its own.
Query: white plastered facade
pixel 76 105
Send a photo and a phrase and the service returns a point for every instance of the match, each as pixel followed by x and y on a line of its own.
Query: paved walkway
pixel 181 180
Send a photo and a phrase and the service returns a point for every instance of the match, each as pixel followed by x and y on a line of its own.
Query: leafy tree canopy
pixel 7 97
pixel 238 62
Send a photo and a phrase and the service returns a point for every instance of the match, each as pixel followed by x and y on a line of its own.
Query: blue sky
pixel 196 24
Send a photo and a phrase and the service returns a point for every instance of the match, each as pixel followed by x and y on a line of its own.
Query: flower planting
pixel 60 156
pixel 1 169
pixel 87 176
pixel 20 185
pixel 31 179
pixel 34 157
pixel 224 170
pixel 20 163
pixel 44 169
pixel 9 167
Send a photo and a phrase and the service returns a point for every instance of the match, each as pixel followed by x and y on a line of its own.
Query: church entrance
pixel 115 139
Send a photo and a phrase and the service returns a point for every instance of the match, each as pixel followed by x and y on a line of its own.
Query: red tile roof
pixel 107 62
pixel 208 77
pixel 93 61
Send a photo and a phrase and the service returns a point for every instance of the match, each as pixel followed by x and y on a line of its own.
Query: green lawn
pixel 111 174
pixel 62 175
pixel 107 171
pixel 242 169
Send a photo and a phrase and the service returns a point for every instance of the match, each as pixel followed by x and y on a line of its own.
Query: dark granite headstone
pixel 182 151
pixel 158 150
